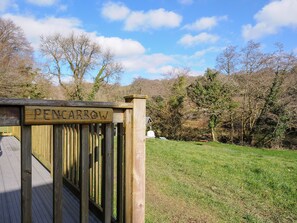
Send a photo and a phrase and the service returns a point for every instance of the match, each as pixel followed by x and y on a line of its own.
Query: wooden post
pixel 26 174
pixel 135 159
pixel 57 173
pixel 107 202
pixel 84 174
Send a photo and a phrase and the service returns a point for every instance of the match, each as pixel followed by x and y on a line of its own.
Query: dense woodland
pixel 249 98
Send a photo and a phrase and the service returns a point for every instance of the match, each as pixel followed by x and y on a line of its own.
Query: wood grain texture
pixel 57 173
pixel 107 202
pixel 120 174
pixel 26 174
pixel 136 200
pixel 128 165
pixel 84 173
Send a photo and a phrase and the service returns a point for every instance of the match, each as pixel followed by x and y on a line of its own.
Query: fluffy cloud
pixel 271 18
pixel 115 11
pixel 139 20
pixel 190 40
pixel 152 19
pixel 205 23
pixel 122 47
pixel 34 28
pixel 42 2
pixel 146 62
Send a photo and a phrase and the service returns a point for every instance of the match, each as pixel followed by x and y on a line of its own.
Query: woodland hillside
pixel 248 98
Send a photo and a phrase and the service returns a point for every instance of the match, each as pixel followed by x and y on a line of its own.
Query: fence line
pixel 107 172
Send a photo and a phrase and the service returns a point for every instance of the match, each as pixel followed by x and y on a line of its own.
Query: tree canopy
pixel 76 61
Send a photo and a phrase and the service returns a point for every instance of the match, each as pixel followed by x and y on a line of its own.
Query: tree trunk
pixel 213 134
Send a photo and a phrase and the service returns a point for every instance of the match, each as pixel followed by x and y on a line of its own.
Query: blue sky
pixel 153 37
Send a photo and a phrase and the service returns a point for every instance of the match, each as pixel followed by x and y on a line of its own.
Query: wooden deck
pixel 42 204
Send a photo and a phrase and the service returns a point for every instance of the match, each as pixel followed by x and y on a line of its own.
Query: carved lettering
pixel 71 115
pixel 56 114
pixel 94 115
pixel 37 112
pixel 46 114
pixel 78 114
pixel 86 114
pixel 103 116
pixel 64 115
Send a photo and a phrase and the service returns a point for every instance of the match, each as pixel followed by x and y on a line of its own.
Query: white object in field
pixel 150 134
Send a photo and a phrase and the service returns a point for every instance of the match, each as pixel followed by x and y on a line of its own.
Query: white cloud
pixel 140 20
pixel 115 11
pixel 186 2
pixel 42 2
pixel 34 28
pixel 152 19
pixel 146 62
pixel 203 52
pixel 4 4
pixel 161 70
pixel 205 23
pixel 122 47
pixel 189 40
pixel 271 18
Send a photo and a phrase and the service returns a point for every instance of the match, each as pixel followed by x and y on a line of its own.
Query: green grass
pixel 213 182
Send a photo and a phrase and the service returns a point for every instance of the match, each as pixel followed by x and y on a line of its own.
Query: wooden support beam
pixel 26 174
pixel 57 173
pixel 84 174
pixel 135 159
pixel 120 173
pixel 107 202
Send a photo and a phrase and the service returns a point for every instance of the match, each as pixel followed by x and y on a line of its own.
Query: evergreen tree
pixel 211 97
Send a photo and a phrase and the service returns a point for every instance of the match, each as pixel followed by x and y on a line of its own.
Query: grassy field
pixel 212 182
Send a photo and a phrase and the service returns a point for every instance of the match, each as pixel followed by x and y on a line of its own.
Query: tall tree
pixel 228 60
pixel 212 97
pixel 74 58
pixel 16 61
pixel 273 120
pixel 168 113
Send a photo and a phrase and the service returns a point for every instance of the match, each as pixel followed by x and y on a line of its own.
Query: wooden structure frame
pixel 131 125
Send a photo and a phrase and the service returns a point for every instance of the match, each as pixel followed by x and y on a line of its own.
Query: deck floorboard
pixel 42 189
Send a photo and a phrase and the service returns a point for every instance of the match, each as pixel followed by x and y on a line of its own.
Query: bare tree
pixel 16 61
pixel 228 60
pixel 252 58
pixel 76 60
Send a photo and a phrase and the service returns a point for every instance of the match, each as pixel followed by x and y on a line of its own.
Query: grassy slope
pixel 211 182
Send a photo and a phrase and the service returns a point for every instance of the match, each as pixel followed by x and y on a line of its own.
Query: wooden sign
pixel 35 115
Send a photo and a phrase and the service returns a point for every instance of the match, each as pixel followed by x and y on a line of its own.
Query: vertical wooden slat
pixel 107 202
pixel 90 160
pixel 120 173
pixel 128 165
pixel 26 174
pixel 84 173
pixel 75 145
pixel 57 178
pixel 64 152
pixel 97 164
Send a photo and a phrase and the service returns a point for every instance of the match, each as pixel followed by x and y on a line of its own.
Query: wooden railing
pixel 107 172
